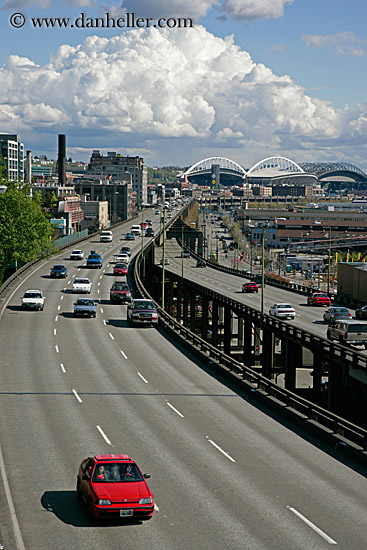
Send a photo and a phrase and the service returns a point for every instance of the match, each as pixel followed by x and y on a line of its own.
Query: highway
pixel 225 472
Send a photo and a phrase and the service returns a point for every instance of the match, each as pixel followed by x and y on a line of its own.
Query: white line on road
pixel 99 284
pixel 98 291
pixel 17 532
pixel 221 450
pixel 69 282
pixel 62 368
pixel 101 310
pixel 54 332
pixel 313 526
pixel 56 318
pixel 100 276
pixel 176 411
pixel 111 336
pixel 103 435
pixel 57 349
pixel 142 377
pixel 104 322
pixel 156 507
pixel 123 354
pixel 77 396
pixel 58 308
pixel 62 297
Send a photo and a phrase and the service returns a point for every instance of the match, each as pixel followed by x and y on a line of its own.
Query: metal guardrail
pixel 339 427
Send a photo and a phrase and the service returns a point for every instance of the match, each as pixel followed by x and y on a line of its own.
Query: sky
pixel 249 79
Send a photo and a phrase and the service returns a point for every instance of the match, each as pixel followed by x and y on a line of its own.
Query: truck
pixel 94 260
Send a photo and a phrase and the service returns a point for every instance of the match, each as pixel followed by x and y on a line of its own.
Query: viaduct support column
pixel 204 318
pixel 267 353
pixel 185 307
pixel 227 330
pixel 316 378
pixel 179 300
pixel 293 359
pixel 247 344
pixel 336 389
pixel 215 323
pixel 192 311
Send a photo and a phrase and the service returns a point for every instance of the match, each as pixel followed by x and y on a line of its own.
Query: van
pixel 136 230
pixel 348 332
pixel 106 237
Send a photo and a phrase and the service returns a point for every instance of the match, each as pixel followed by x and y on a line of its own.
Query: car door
pixel 87 468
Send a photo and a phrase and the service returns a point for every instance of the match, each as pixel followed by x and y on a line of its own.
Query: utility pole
pixel 182 250
pixel 163 255
pixel 262 270
pixel 328 267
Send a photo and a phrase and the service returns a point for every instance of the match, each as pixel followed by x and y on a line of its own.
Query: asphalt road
pixel 225 473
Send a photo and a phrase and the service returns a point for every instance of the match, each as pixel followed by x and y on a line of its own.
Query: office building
pixel 12 151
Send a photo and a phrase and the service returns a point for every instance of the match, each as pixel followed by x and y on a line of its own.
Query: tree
pixel 25 231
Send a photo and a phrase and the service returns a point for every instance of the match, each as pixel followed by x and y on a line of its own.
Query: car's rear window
pixel 284 306
pixel 357 328
pixel 144 305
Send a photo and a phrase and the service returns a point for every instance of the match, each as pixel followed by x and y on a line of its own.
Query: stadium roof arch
pixel 279 170
pixel 224 164
pixel 335 170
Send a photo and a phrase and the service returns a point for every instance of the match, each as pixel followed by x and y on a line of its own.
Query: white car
pixel 33 299
pixel 282 311
pixel 122 259
pixel 77 255
pixel 82 285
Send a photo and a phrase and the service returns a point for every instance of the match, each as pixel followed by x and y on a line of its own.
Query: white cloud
pixel 169 8
pixel 342 43
pixel 249 10
pixel 177 93
pixel 19 4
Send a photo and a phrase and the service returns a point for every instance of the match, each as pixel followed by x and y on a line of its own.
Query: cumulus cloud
pixel 249 10
pixel 341 43
pixel 184 87
pixel 19 4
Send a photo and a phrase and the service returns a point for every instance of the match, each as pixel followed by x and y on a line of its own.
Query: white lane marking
pixel 176 411
pixel 79 268
pixel 156 507
pixel 98 291
pixel 77 396
pixel 221 450
pixel 313 526
pixel 56 318
pixel 62 297
pixel 98 284
pixel 69 282
pixel 104 322
pixel 101 310
pixel 104 270
pixel 100 276
pixel 123 354
pixel 142 377
pixel 57 349
pixel 58 308
pixel 62 368
pixel 17 532
pixel 54 332
pixel 103 435
pixel 111 336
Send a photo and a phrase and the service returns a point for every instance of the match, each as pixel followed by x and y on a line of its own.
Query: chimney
pixel 61 161
pixel 29 166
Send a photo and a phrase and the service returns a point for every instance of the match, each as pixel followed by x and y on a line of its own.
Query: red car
pixel 112 486
pixel 318 299
pixel 120 269
pixel 250 287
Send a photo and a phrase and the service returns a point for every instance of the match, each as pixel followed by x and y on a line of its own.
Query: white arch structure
pixel 224 163
pixel 276 164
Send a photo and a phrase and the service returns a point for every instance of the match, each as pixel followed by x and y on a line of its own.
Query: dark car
pixel 125 250
pixel 149 232
pixel 142 311
pixel 361 313
pixel 113 486
pixel 185 254
pixel 85 307
pixel 58 272
pixel 129 237
pixel 201 263
pixel 250 287
pixel 120 293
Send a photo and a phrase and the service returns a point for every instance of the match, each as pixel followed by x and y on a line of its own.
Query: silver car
pixel 336 313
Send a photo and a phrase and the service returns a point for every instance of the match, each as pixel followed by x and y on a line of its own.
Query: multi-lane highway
pixel 224 472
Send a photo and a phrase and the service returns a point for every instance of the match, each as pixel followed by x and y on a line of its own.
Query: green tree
pixel 25 231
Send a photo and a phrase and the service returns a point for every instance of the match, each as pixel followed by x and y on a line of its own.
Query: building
pixel 119 195
pixel 352 280
pixel 12 151
pixel 115 167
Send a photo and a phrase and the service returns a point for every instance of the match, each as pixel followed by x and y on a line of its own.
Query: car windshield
pixel 121 287
pixel 121 266
pixel 116 473
pixel 76 252
pixel 321 296
pixel 85 302
pixel 32 295
pixel 82 281
pixel 144 305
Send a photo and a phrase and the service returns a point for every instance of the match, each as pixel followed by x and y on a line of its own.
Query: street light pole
pixel 328 267
pixel 182 250
pixel 262 270
pixel 163 256
pixel 142 230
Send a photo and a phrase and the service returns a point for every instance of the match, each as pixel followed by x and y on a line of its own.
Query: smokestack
pixel 29 166
pixel 61 161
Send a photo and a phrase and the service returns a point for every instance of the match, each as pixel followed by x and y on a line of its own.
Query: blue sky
pixel 252 78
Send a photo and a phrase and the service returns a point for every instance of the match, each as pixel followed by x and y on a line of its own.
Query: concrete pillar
pixel 247 343
pixel 267 353
pixel 337 390
pixel 215 322
pixel 316 378
pixel 192 311
pixel 240 327
pixel 227 330
pixel 293 360
pixel 204 318
pixel 179 299
pixel 185 307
